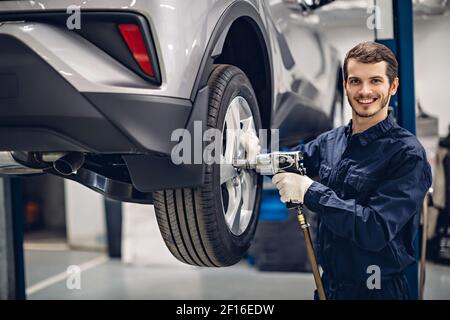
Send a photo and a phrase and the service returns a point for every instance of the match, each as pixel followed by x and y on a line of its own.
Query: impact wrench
pixel 277 162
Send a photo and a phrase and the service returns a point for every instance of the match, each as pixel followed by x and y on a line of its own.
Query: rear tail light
pixel 132 35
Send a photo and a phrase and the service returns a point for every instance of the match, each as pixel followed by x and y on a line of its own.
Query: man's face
pixel 368 88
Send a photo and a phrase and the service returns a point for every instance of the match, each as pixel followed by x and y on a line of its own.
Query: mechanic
pixel 373 178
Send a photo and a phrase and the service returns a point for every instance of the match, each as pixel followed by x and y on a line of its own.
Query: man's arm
pixel 391 206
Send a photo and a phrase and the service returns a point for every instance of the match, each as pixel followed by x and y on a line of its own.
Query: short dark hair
pixel 372 52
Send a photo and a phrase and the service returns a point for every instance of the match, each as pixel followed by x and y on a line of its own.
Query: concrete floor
pixel 102 278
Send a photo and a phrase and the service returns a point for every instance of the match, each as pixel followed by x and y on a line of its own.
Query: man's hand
pixel 251 144
pixel 292 186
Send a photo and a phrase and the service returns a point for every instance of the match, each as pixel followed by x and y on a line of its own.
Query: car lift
pixel 396 32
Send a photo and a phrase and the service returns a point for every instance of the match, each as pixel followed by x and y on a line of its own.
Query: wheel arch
pixel 253 55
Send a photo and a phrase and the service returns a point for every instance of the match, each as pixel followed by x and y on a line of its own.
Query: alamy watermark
pixel 73 281
pixel 374 280
pixel 213 146
pixel 373 21
pixel 74 20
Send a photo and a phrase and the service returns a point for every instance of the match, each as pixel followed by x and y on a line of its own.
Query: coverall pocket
pixel 357 184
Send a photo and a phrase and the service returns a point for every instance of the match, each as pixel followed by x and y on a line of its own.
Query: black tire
pixel 192 221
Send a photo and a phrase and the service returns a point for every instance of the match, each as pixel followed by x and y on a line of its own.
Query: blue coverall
pixel 372 185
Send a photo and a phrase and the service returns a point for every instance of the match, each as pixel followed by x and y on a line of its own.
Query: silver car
pixel 94 91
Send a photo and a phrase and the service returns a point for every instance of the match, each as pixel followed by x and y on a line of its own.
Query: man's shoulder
pixel 408 154
pixel 406 143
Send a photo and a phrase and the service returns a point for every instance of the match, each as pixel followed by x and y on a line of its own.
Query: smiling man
pixel 370 81
pixel 373 178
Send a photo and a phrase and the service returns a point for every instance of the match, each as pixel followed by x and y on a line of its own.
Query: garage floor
pixel 102 278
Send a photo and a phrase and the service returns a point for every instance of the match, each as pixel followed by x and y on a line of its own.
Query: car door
pixel 300 64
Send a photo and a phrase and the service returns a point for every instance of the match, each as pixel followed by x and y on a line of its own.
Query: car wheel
pixel 213 225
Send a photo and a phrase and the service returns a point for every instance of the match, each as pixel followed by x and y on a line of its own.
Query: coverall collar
pixel 373 132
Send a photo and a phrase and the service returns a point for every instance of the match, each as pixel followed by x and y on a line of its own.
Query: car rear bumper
pixel 41 111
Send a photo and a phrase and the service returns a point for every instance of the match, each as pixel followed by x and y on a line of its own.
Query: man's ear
pixel 394 86
pixel 344 84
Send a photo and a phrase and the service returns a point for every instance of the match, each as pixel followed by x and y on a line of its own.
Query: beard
pixel 369 113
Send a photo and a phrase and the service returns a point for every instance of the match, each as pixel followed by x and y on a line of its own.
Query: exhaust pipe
pixel 14 162
pixel 69 164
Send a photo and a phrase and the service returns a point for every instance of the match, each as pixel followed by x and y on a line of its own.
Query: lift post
pixel 396 32
pixel 12 267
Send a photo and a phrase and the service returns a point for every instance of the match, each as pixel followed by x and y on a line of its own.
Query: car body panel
pixel 181 30
pixel 81 63
pixel 311 61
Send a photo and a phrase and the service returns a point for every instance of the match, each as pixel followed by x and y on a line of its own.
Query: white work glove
pixel 251 144
pixel 292 186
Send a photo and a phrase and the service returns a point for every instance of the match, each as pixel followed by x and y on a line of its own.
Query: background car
pixel 97 100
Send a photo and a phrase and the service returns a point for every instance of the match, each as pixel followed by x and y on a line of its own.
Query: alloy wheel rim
pixel 238 186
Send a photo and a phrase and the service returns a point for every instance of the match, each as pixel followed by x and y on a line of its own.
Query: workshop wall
pixel 432 66
pixel 85 216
